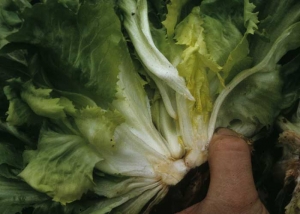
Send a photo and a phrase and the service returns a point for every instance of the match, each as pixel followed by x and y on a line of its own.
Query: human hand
pixel 231 189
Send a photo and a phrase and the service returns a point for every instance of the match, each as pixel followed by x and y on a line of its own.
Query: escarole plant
pixel 106 104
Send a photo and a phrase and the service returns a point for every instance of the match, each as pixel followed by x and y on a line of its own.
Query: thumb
pixel 231 173
pixel 231 188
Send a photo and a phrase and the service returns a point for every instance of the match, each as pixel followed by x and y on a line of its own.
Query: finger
pixel 231 172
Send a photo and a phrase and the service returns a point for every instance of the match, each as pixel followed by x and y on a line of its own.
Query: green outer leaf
pixel 167 46
pixel 10 155
pixel 241 51
pixel 28 104
pixel 72 5
pixel 89 47
pixel 19 112
pixel 79 100
pixel 9 172
pixel 288 40
pixel 278 17
pixel 15 133
pixel 11 161
pixel 41 103
pixel 9 20
pixel 62 166
pixel 51 207
pixel 16 195
pixel 243 109
pixel 291 89
pixel 222 34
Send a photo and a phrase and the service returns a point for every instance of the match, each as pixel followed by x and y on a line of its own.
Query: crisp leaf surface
pixel 88 46
pixel 62 166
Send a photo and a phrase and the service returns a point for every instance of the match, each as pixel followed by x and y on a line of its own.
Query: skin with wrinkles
pixel 232 189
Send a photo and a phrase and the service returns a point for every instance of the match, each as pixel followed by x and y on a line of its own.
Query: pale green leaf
pixel 174 8
pixel 62 166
